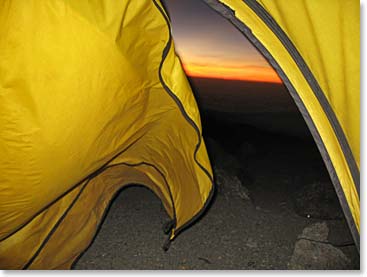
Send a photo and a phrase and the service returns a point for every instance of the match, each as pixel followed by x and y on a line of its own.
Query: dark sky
pixel 210 46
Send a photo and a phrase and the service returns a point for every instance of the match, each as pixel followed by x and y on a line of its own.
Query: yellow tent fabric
pixel 92 98
pixel 314 46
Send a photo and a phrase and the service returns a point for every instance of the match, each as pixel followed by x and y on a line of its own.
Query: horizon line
pixel 280 82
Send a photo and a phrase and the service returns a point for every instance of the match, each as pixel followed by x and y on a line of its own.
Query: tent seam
pixel 89 176
pixel 54 228
pixel 58 223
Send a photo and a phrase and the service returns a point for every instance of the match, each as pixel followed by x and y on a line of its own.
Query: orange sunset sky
pixel 209 46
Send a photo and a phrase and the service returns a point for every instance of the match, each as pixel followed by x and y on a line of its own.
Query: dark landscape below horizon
pixel 263 105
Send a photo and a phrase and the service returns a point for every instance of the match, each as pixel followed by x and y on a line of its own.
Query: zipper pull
pixel 167 244
pixel 167 227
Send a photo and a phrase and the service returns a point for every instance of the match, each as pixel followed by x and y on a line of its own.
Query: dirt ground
pixel 234 233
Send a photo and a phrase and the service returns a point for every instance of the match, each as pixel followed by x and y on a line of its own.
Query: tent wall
pixel 314 46
pixel 92 97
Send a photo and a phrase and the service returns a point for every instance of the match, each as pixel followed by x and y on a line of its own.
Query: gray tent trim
pixel 229 14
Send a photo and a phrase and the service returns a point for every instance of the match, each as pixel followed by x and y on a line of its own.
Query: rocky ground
pixel 275 208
